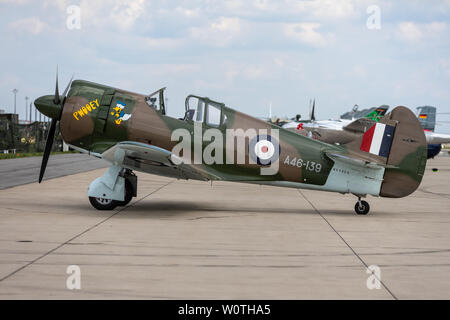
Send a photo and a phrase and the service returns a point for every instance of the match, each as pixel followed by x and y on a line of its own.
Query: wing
pixel 437 138
pixel 151 159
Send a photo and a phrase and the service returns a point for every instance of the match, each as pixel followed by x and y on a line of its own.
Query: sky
pixel 249 54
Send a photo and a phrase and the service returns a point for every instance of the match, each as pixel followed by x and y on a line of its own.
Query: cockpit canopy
pixel 200 109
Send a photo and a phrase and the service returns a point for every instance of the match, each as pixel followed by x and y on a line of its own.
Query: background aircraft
pixel 133 132
pixel 427 118
pixel 343 131
pixel 372 113
pixel 339 131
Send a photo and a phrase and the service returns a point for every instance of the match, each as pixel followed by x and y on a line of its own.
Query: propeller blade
pixel 48 148
pixel 67 88
pixel 64 97
pixel 56 99
pixel 313 117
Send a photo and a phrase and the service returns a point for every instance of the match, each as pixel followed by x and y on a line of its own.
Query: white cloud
pixel 234 4
pixel 126 12
pixel 325 8
pixel 279 62
pixel 60 4
pixel 248 71
pixel 444 64
pixel 236 50
pixel 411 31
pixel 306 33
pixel 163 43
pixel 190 13
pixel 121 15
pixel 220 33
pixel 317 9
pixel 9 80
pixel 31 25
pixel 359 71
pixel 255 72
pixel 436 27
pixel 265 4
pixel 16 2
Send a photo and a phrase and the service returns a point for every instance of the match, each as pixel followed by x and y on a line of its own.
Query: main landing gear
pixel 362 207
pixel 115 188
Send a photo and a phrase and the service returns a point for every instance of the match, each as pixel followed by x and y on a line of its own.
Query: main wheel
pixel 128 194
pixel 102 203
pixel 362 208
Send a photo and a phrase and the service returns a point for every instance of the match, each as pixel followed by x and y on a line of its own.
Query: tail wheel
pixel 362 207
pixel 102 203
pixel 128 194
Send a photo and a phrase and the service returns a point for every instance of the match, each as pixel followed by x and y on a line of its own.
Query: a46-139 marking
pixel 300 163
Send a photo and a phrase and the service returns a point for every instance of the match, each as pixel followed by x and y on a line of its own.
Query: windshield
pixel 195 109
pixel 156 100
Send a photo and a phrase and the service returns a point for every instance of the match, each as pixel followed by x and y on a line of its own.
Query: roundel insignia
pixel 264 149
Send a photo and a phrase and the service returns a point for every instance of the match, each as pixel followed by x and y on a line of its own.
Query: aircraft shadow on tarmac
pixel 191 210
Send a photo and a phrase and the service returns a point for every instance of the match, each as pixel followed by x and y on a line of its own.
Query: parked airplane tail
pixel 397 143
pixel 427 117
pixel 312 114
pixel 377 113
pixel 408 155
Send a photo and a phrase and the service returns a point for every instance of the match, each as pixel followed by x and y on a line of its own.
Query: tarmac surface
pixel 15 172
pixel 193 240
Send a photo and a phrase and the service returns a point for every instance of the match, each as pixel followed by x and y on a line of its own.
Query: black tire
pixel 128 194
pixel 362 209
pixel 103 204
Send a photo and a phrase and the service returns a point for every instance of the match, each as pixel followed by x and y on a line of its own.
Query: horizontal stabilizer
pixel 354 160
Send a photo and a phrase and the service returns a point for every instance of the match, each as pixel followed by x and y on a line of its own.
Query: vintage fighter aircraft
pixel 132 132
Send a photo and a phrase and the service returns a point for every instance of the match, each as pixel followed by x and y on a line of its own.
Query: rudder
pixel 407 157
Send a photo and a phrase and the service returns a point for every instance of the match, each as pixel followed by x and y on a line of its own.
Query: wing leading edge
pixel 151 159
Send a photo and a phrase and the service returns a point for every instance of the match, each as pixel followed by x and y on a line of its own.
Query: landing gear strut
pixel 130 187
pixel 115 188
pixel 362 207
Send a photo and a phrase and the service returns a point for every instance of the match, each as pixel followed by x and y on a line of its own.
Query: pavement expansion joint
pixel 82 233
pixel 346 243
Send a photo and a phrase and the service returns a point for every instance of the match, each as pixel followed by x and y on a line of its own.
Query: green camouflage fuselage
pixel 97 117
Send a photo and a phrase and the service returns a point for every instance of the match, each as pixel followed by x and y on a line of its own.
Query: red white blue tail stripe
pixel 378 139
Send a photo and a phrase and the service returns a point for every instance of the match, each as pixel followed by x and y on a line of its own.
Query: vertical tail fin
pixel 377 113
pixel 312 115
pixel 398 143
pixel 427 117
pixel 408 156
